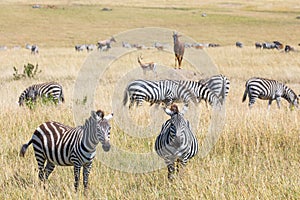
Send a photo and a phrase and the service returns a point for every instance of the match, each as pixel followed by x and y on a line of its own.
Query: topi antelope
pixel 178 50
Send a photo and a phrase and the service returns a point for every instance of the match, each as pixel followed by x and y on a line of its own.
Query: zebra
pixel 219 84
pixel 90 47
pixel 151 66
pixel 34 49
pixel 176 143
pixel 200 91
pixel 48 89
pixel 267 89
pixel 178 49
pixel 62 145
pixel 162 91
pixel 80 47
pixel 239 44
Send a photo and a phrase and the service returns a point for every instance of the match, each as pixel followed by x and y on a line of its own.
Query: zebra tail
pixel 245 94
pixel 125 99
pixel 24 148
pixel 223 91
pixel 62 96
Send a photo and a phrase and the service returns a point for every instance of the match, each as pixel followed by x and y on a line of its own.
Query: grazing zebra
pixel 267 89
pixel 166 91
pixel 34 49
pixel 258 45
pixel 178 49
pixel 219 84
pixel 200 91
pixel 80 47
pixel 176 142
pixel 239 44
pixel 90 47
pixel 151 66
pixel 49 89
pixel 62 145
pixel 105 44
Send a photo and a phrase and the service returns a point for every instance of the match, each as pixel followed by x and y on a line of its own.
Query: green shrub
pixel 30 71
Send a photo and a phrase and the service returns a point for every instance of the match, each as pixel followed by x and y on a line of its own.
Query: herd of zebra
pixel 62 145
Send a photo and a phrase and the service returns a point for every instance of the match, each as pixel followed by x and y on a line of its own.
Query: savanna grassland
pixel 257 155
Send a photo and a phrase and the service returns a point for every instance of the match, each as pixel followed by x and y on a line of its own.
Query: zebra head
pixel 28 94
pixel 103 128
pixel 291 97
pixel 295 102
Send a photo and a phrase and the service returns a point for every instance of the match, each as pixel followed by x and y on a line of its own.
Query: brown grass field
pixel 258 153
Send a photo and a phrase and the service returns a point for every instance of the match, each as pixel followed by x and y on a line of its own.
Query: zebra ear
pixel 100 114
pixel 108 117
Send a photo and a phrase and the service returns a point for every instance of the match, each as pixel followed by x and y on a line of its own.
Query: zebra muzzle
pixel 106 146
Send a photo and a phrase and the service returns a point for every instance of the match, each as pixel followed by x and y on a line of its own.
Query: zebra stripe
pixel 166 91
pixel 176 142
pixel 48 89
pixel 267 89
pixel 62 145
pixel 219 84
pixel 201 91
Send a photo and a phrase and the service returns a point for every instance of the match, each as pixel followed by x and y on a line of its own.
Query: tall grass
pixel 256 156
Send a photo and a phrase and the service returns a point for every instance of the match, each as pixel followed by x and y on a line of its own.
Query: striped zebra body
pixel 166 91
pixel 267 89
pixel 201 91
pixel 62 145
pixel 219 84
pixel 176 142
pixel 48 89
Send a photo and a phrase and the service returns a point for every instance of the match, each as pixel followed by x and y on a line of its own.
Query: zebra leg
pixel 76 176
pixel 86 173
pixel 270 103
pixel 278 102
pixel 180 165
pixel 251 100
pixel 49 169
pixel 171 168
pixel 41 163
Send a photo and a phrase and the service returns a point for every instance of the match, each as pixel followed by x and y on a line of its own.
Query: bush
pixel 30 71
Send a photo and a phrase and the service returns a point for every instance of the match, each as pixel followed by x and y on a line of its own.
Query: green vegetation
pixel 30 71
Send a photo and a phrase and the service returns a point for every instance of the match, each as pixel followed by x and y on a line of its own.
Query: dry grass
pixel 257 154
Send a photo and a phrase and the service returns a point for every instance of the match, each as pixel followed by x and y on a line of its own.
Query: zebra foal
pixel 48 89
pixel 267 89
pixel 176 143
pixel 62 145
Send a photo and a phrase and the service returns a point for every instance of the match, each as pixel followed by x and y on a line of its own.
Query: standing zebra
pixel 48 89
pixel 267 89
pixel 62 145
pixel 219 84
pixel 166 91
pixel 178 49
pixel 176 142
